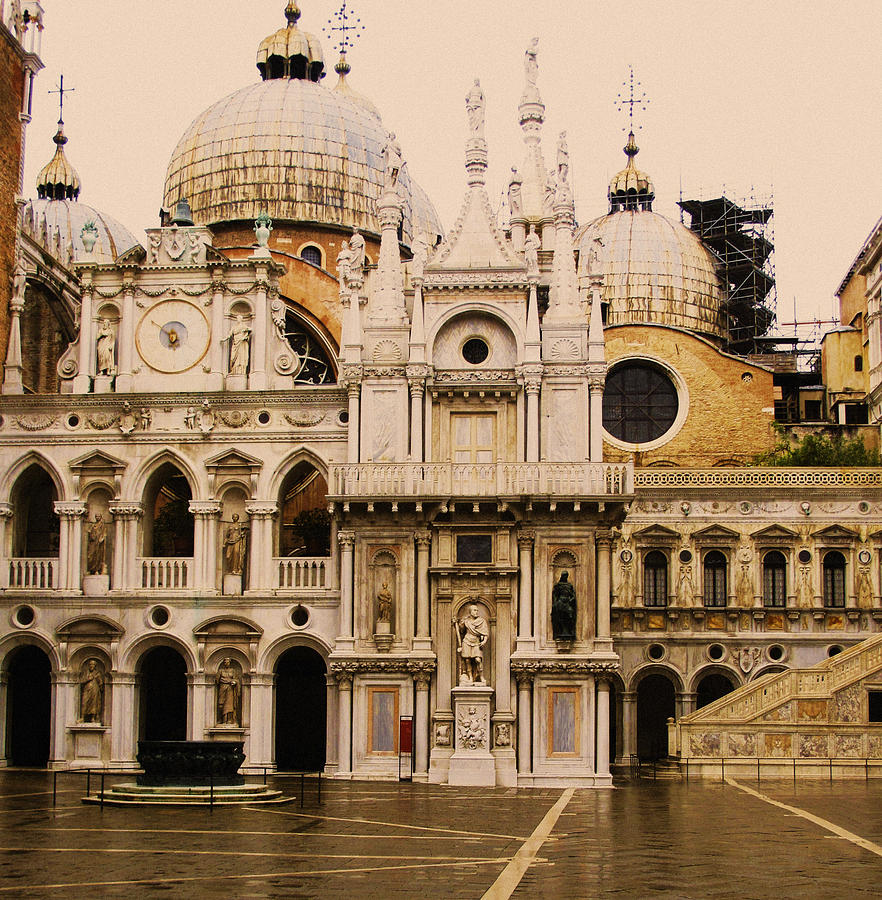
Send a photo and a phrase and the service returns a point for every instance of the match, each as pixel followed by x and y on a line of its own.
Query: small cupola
pixel 290 52
pixel 58 179
pixel 631 188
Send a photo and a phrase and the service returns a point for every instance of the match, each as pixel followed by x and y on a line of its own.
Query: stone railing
pixel 501 479
pixel 159 573
pixel 32 573
pixel 302 573
pixel 757 477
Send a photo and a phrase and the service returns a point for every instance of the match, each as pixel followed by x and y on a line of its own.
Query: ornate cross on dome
pixel 640 100
pixel 347 25
pixel 62 90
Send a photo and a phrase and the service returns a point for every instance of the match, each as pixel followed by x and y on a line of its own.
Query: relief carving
pixel 742 744
pixel 778 745
pixel 705 744
pixel 471 729
pixel 812 745
pixel 848 704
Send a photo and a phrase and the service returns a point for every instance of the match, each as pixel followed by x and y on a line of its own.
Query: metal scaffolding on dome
pixel 741 237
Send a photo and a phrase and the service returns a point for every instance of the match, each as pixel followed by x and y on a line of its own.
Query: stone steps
pixel 186 795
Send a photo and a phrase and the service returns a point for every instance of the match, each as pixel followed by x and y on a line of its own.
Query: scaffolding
pixel 741 237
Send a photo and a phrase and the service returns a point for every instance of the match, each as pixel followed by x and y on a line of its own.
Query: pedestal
pixel 103 384
pixel 383 637
pixel 96 585
pixel 88 743
pixel 236 382
pixel 472 762
pixel 232 584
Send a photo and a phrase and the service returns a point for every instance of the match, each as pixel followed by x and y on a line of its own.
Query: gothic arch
pixel 63 489
pixel 137 483
pixel 298 455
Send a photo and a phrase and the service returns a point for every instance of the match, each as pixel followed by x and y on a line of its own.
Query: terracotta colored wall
pixel 730 414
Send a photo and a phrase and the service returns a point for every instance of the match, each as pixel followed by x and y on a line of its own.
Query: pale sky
pixel 779 98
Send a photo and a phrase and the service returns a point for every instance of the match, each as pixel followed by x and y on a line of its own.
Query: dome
pixel 66 218
pixel 654 270
pixel 58 179
pixel 631 188
pixel 290 52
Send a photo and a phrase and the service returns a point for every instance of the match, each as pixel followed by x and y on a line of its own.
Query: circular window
pixel 159 616
pixel 263 417
pixel 73 420
pixel 656 651
pixel 343 417
pixel 475 351
pixel 640 402
pixel 833 650
pixel 716 651
pixel 685 556
pixel 776 652
pixel 299 616
pixel 863 506
pixel 24 616
pixel 804 557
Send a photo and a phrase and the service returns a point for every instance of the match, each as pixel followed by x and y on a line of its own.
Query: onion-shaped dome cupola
pixel 290 52
pixel 631 188
pixel 58 179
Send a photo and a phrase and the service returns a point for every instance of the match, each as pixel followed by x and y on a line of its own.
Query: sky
pixel 766 99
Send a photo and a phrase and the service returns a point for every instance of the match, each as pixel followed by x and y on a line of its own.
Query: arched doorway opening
pixel 655 705
pixel 168 522
pixel 711 688
pixel 163 695
pixel 29 707
pixel 36 527
pixel 301 710
pixel 305 524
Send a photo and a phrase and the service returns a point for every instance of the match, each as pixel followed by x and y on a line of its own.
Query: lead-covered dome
pixel 293 148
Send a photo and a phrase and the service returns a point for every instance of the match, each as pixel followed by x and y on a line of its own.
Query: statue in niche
pixel 92 692
pixel 685 587
pixel 744 589
pixel 563 609
pixel 229 693
pixel 531 251
pixel 393 161
pixel 515 198
pixel 96 546
pixel 240 346
pixel 356 255
pixel 234 545
pixel 105 350
pixel 804 594
pixel 472 635
pixel 475 110
pixel 864 589
pixel 384 604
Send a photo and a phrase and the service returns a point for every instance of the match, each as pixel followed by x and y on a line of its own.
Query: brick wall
pixel 11 87
pixel 42 343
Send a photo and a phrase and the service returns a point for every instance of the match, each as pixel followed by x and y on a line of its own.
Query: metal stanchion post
pixel 211 792
pixel 757 770
pixel 101 801
pixel 54 785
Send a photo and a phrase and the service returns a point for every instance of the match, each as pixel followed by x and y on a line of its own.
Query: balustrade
pixel 33 573
pixel 165 574
pixel 302 573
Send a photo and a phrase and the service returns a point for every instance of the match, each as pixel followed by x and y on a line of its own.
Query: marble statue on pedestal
pixel 531 251
pixel 104 348
pixel 229 692
pixel 91 692
pixel 384 604
pixel 472 635
pixel 234 545
pixel 96 545
pixel 475 110
pixel 240 346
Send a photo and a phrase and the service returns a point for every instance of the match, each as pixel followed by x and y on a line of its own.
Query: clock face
pixel 172 336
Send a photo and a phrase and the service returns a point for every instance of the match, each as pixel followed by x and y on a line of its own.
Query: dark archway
pixel 305 524
pixel 163 695
pixel 168 522
pixel 36 527
pixel 655 705
pixel 301 710
pixel 711 688
pixel 29 704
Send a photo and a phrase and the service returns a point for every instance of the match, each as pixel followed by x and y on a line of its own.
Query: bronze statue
pixel 563 609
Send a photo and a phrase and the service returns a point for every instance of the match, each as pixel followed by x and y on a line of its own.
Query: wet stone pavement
pixel 737 839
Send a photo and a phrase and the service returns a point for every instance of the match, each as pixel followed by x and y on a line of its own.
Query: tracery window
pixel 715 579
pixel 640 402
pixel 774 579
pixel 655 579
pixel 834 579
pixel 312 255
pixel 311 363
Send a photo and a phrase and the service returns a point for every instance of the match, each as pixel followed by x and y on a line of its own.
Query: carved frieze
pixel 308 418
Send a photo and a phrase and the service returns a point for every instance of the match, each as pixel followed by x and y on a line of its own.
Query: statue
pixel 393 161
pixel 229 691
pixel 549 196
pixel 146 418
pixel 155 244
pixel 475 110
pixel 19 284
pixel 864 589
pixel 531 252
pixel 92 692
pixel 594 256
pixel 531 63
pixel 344 260
pixel 472 635
pixel 190 418
pixel 195 244
pixel 105 351
pixel 744 588
pixel 685 587
pixel 515 200
pixel 563 158
pixel 420 255
pixel 234 545
pixel 240 346
pixel 384 604
pixel 96 545
pixel 356 255
pixel 563 609
pixel 804 594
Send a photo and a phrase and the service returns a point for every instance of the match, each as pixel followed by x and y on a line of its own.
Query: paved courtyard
pixel 735 839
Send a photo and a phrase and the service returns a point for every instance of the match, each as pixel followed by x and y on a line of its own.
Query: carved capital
pixel 6 510
pixel 204 508
pixel 423 539
pixel 71 510
pixel 346 539
pixel 126 510
pixel 524 678
pixel 262 510
pixel 526 539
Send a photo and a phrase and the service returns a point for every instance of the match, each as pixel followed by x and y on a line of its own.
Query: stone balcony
pixel 551 481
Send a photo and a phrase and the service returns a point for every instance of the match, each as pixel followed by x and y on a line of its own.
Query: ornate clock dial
pixel 172 336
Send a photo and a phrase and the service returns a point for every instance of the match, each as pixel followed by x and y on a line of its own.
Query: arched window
pixel 305 524
pixel 715 579
pixel 834 579
pixel 168 522
pixel 655 579
pixel 312 255
pixel 774 579
pixel 36 527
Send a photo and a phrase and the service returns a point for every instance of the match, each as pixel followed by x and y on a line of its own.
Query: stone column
pixel 532 385
pixel 421 725
pixel 6 512
pixel 344 724
pixel 257 376
pixel 688 702
pixel 124 721
pixel 525 593
pixel 70 545
pixel 206 514
pixel 353 389
pixel 331 725
pixel 629 723
pixel 260 719
pixel 595 418
pixel 417 388
pixel 63 686
pixel 125 575
pixel 201 685
pixel 260 568
pixel 126 341
pixel 603 541
pixel 525 722
pixel 215 378
pixel 423 639
pixel 12 383
pixel 601 761
pixel 346 639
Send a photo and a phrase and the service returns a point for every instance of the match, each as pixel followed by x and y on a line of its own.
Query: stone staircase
pixel 223 795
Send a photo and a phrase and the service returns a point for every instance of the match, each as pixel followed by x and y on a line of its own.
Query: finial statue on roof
pixel 393 161
pixel 531 63
pixel 563 158
pixel 475 110
pixel 515 198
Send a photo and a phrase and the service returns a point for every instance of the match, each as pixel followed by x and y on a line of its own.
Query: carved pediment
pixel 657 534
pixel 233 459
pixel 90 628
pixel 134 256
pixel 97 462
pixel 836 534
pixel 774 533
pixel 716 534
pixel 228 628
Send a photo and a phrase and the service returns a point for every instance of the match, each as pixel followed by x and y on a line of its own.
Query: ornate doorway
pixel 301 710
pixel 29 703
pixel 163 690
